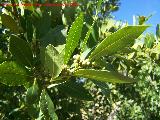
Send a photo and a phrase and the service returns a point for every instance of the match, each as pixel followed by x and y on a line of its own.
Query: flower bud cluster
pixel 66 70
pixel 82 63
pixel 78 63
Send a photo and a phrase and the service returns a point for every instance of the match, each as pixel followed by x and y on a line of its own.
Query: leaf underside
pixel 117 41
pixel 54 60
pixel 103 75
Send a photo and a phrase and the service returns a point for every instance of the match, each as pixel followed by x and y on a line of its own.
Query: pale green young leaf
pixel 53 60
pixel 73 37
pixel 149 40
pixel 21 50
pixel 60 48
pixel 13 75
pixel 117 41
pixel 103 75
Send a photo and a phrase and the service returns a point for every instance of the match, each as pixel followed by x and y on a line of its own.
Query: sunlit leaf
pixel 53 60
pixel 47 106
pixel 13 75
pixel 103 75
pixel 117 41
pixel 73 37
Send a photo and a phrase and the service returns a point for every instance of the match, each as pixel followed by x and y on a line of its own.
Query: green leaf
pixel 87 37
pixel 75 89
pixel 103 63
pixel 56 14
pixel 73 107
pixel 158 31
pixel 10 23
pixel 55 36
pixel 29 29
pixel 53 61
pixel 33 111
pixel 42 23
pixel 13 75
pixel 68 15
pixel 1 57
pixel 21 50
pixel 117 41
pixel 103 75
pixel 73 37
pixel 60 48
pixel 99 5
pixel 94 38
pixel 47 106
pixel 103 86
pixel 32 94
pixel 149 40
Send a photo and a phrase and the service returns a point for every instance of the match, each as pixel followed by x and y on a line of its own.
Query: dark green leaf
pixel 10 23
pixel 103 63
pixel 32 94
pixel 73 37
pixel 1 57
pixel 87 37
pixel 103 86
pixel 33 111
pixel 93 39
pixel 13 75
pixel 103 75
pixel 29 29
pixel 117 41
pixel 47 106
pixel 21 50
pixel 56 36
pixel 158 30
pixel 42 23
pixel 68 15
pixel 74 89
pixel 71 107
pixel 56 15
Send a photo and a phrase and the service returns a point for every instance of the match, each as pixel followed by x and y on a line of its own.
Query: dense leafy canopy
pixel 66 62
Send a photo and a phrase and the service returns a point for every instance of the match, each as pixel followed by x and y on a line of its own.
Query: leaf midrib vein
pixel 110 45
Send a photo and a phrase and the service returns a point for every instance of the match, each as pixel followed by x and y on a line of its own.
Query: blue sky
pixel 128 8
